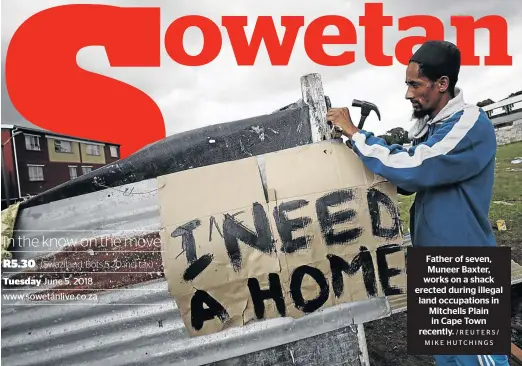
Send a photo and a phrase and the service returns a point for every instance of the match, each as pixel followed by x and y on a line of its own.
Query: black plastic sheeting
pixel 286 128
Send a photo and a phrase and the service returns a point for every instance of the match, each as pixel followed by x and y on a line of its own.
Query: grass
pixel 507 189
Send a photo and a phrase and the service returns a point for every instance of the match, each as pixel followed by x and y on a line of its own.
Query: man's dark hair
pixel 437 59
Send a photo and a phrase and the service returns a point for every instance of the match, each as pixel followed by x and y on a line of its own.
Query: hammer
pixel 366 108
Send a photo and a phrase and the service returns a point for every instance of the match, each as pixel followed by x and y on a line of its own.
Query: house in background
pixel 35 160
pixel 506 113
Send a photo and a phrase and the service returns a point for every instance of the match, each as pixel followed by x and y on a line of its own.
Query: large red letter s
pixel 49 89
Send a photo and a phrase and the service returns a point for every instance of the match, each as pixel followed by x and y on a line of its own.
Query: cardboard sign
pixel 279 235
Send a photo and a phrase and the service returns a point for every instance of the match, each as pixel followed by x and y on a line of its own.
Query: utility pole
pixel 5 176
pixel 5 179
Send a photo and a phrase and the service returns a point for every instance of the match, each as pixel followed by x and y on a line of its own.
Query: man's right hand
pixel 341 117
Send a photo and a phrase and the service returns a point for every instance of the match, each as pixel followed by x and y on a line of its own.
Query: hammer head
pixel 366 107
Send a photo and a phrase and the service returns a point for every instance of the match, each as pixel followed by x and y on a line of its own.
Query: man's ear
pixel 443 84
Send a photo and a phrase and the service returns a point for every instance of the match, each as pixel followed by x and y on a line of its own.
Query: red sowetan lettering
pixel 212 40
pixel 373 22
pixel 434 31
pixel 315 40
pixel 498 35
pixel 279 52
pixel 49 89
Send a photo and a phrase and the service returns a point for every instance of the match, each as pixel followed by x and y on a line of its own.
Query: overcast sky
pixel 191 97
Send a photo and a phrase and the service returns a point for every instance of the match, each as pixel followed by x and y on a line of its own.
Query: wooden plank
pixel 313 96
pixel 516 353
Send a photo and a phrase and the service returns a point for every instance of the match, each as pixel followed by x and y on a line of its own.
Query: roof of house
pixel 502 103
pixel 32 128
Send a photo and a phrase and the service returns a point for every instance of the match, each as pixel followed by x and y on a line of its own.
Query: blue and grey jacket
pixel 451 170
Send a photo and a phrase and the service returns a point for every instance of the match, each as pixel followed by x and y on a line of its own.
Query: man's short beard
pixel 418 114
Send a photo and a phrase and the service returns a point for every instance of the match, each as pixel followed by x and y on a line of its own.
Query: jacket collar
pixel 456 104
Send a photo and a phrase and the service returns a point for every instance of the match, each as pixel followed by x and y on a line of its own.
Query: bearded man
pixel 450 166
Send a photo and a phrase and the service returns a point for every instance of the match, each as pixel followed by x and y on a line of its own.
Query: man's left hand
pixel 341 117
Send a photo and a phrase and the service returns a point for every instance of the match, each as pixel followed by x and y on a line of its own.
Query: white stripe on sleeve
pixel 422 152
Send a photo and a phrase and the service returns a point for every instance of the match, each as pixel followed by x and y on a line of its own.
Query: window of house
pixel 32 142
pixel 73 173
pixel 93 150
pixel 35 172
pixel 86 169
pixel 114 151
pixel 62 146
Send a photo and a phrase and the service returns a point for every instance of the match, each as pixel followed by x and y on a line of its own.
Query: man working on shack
pixel 450 165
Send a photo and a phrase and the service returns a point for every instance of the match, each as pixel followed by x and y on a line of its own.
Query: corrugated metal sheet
pixel 125 211
pixel 141 326
pixel 138 324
